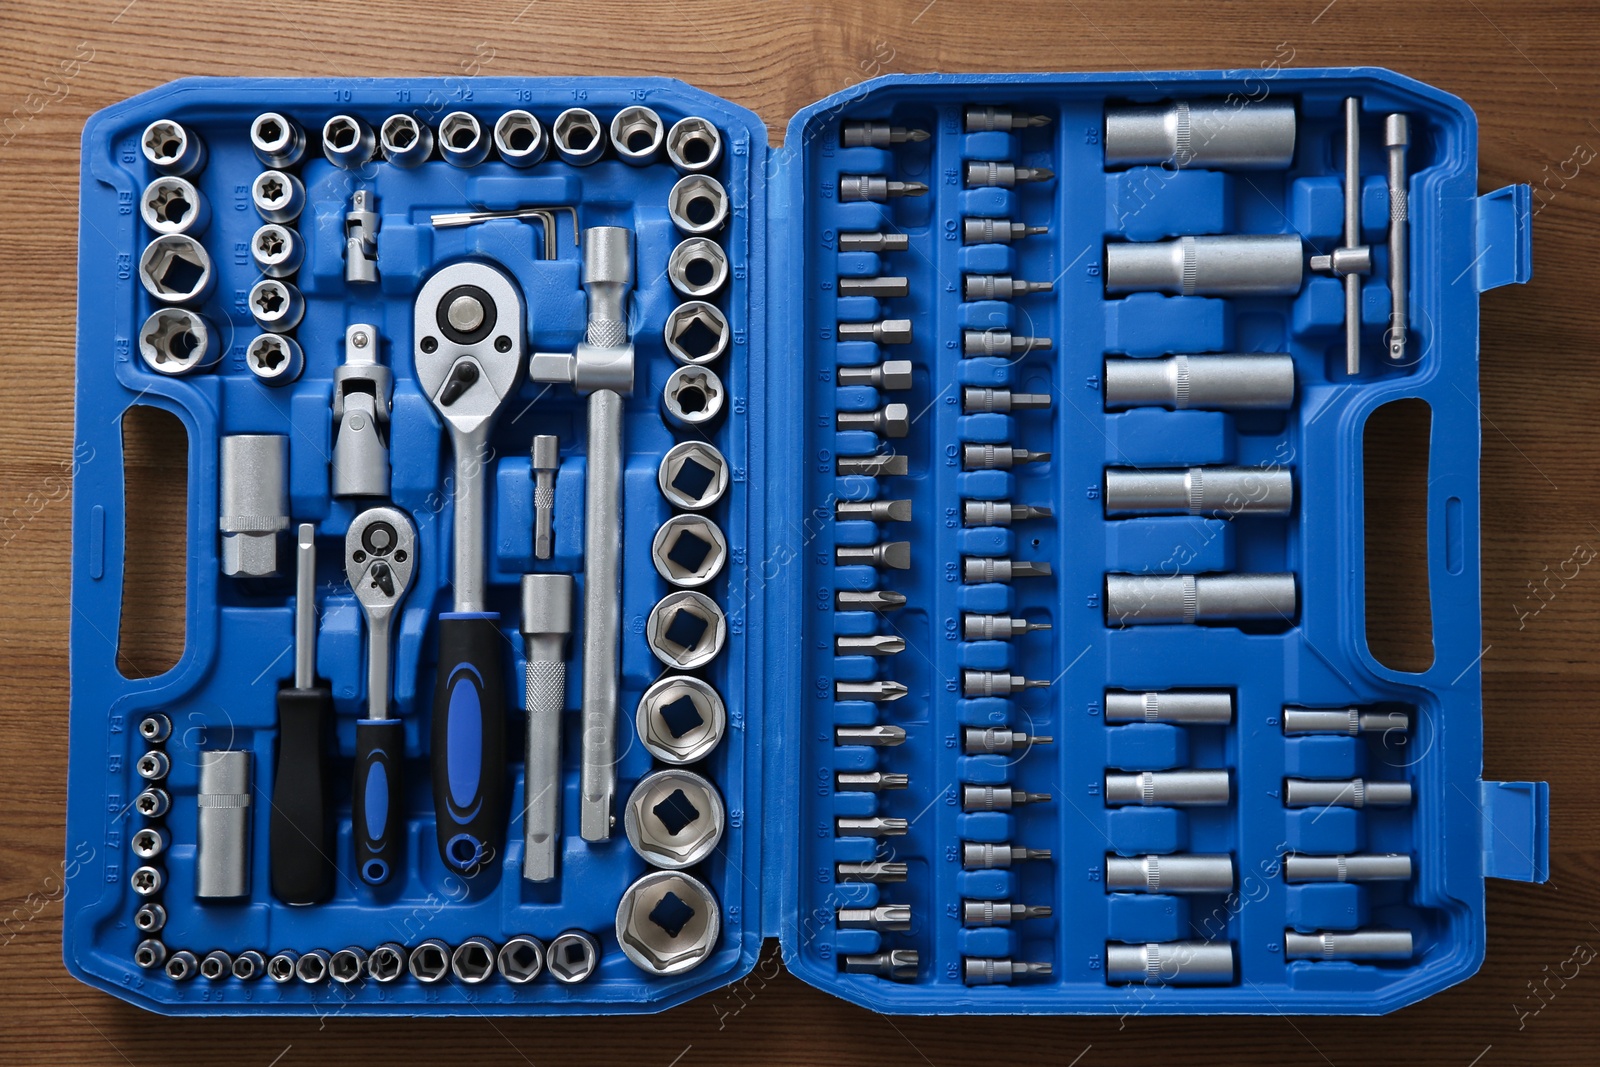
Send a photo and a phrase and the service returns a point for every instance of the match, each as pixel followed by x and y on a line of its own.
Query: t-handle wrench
pixel 380 552
pixel 468 330
pixel 602 367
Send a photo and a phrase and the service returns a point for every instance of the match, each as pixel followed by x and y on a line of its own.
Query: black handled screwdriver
pixel 301 844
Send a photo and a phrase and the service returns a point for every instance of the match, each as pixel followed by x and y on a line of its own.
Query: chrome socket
pixel 1221 382
pixel 153 803
pixel 697 333
pixel 698 267
pixel 1183 872
pixel 693 398
pixel 312 967
pixel 277 250
pixel 637 134
pixel 405 142
pixel 1214 492
pixel 222 833
pixel 150 917
pixel 686 629
pixel 347 965
pixel 1145 599
pixel 693 475
pixel 430 961
pixel 278 140
pixel 153 765
pixel 1170 963
pixel 276 305
pixel 680 719
pixel 698 204
pixel 172 149
pixel 1218 265
pixel 1348 945
pixel 147 881
pixel 274 359
pixel 148 843
pixel 1175 789
pixel 1343 793
pixel 182 965
pixel 150 954
pixel 689 550
pixel 520 960
pixel 572 957
pixel 1180 706
pixel 665 936
pixel 694 145
pixel 155 728
pixel 249 965
pixel 1349 721
pixel 1202 133
pixel 173 205
pixel 278 197
pixel 577 137
pixel 520 139
pixel 387 962
pixel 674 818
pixel 175 341
pixel 281 967
pixel 176 269
pixel 348 142
pixel 216 965
pixel 463 142
pixel 254 502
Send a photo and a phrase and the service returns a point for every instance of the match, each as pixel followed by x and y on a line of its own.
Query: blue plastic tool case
pixel 774 872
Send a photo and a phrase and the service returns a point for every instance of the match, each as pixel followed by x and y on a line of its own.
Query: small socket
pixel 277 250
pixel 462 139
pixel 680 719
pixel 430 961
pixel 346 965
pixel 698 204
pixel 276 305
pixel 689 550
pixel 150 917
pixel 577 137
pixel 175 341
pixel 473 960
pixel 520 139
pixel 697 267
pixel 278 197
pixel 697 333
pixel 249 965
pixel 637 134
pixel 216 965
pixel 694 145
pixel 387 962
pixel 405 142
pixel 148 843
pixel 176 269
pixel 668 923
pixel 693 475
pixel 153 765
pixel 152 803
pixel 278 141
pixel 171 149
pixel 693 398
pixel 274 359
pixel 281 967
pixel 573 956
pixel 520 960
pixel 182 966
pixel 686 629
pixel 674 818
pixel 174 205
pixel 150 954
pixel 146 881
pixel 312 967
pixel 348 142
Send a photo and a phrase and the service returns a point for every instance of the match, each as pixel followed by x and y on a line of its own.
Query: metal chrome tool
pixel 544 459
pixel 546 622
pixel 1396 139
pixel 362 395
pixel 1351 260
pixel 1202 133
pixel 361 238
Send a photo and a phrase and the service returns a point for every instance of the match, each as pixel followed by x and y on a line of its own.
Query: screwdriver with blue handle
pixel 380 552
pixel 467 327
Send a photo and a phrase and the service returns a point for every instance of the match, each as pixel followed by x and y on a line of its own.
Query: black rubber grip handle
pixel 379 824
pixel 299 835
pixel 469 740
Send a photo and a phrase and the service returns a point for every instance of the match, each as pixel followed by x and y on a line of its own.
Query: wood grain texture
pixel 1527 68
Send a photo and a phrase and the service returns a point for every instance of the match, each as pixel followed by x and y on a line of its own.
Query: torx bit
pixel 898 964
pixel 878 735
pixel 868 600
pixel 884 332
pixel 856 188
pixel 880 465
pixel 983 119
pixel 871 826
pixel 1002 343
pixel 869 645
pixel 882 917
pixel 545 458
pixel 998 457
pixel 868 241
pixel 891 420
pixel 976 399
pixel 997 684
pixel 986 970
pixel 988 740
pixel 895 555
pixel 868 134
pixel 873 510
pixel 999 287
pixel 881 287
pixel 984 855
pixel 877 871
pixel 870 781
pixel 890 375
pixel 997 798
pixel 982 173
pixel 999 513
pixel 975 569
pixel 978 230
pixel 879 692
pixel 995 912
pixel 975 627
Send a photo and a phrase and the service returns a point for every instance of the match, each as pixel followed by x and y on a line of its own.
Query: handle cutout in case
pixel 155 492
pixel 1395 472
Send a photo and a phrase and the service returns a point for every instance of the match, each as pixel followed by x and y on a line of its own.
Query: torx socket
pixel 975 399
pixel 1214 383
pixel 898 964
pixel 1345 793
pixel 1148 599
pixel 1178 706
pixel 1183 872
pixel 883 287
pixel 985 855
pixel 1348 945
pixel 878 735
pixel 884 332
pixel 172 148
pixel 1220 265
pixel 890 375
pixel 222 833
pixel 877 871
pixel 976 569
pixel 1170 789
pixel 999 512
pixel 1215 492
pixel 1202 133
pixel 987 740
pixel 868 241
pixel 977 230
pixel 996 627
pixel 254 502
pixel 871 826
pixel 985 173
pixel 870 781
pixel 876 188
pixel 894 555
pixel 1367 867
pixel 997 683
pixel 997 798
pixel 976 457
pixel 1349 721
pixel 1170 963
pixel 999 912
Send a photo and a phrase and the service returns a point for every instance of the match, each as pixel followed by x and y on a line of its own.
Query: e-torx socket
pixel 892 420
pixel 976 399
pixel 1222 382
pixel 856 188
pixel 1202 133
pixel 999 287
pixel 544 461
pixel 1215 492
pixel 894 555
pixel 879 600
pixel 881 465
pixel 868 241
pixel 546 622
pixel 1178 706
pixel 999 512
pixel 1217 265
pixel 976 569
pixel 1348 945
pixel 869 644
pixel 1170 963
pixel 877 871
pixel 1000 912
pixel 222 831
pixel 884 332
pixel 898 964
pixel 879 135
pixel 985 970
pixel 977 230
pixel 1146 599
pixel 1183 872
pixel 1368 867
pixel 870 781
pixel 1346 793
pixel 1351 721
pixel 890 375
pixel 871 826
pixel 1002 344
pixel 986 740
pixel 985 855
pixel 984 173
pixel 997 798
pixel 876 692
pixel 883 287
pixel 1174 789
pixel 997 683
pixel 976 457
pixel 878 735
pixel 996 627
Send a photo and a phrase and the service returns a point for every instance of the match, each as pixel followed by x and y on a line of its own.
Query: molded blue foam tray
pixel 774 873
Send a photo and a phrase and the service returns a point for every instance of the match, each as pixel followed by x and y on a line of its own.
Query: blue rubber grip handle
pixel 379 822
pixel 469 740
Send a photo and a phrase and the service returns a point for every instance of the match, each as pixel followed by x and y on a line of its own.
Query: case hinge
pixel 1516 830
pixel 1505 237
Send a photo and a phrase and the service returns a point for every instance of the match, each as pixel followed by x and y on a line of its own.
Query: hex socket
pixel 176 269
pixel 1348 945
pixel 577 137
pixel 1149 599
pixel 680 719
pixel 463 142
pixel 637 134
pixel 698 204
pixel 697 332
pixel 278 141
pixel 520 139
pixel 348 142
pixel 1184 706
pixel 1220 265
pixel 1184 872
pixel 1172 789
pixel 1223 383
pixel 688 936
pixel 1215 492
pixel 1170 963
pixel 698 267
pixel 405 142
pixel 674 818
pixel 222 849
pixel 1202 133
pixel 694 145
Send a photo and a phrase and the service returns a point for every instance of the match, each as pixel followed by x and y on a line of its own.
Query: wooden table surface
pixel 1528 70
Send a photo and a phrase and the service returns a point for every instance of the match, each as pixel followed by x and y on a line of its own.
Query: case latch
pixel 1516 829
pixel 1505 237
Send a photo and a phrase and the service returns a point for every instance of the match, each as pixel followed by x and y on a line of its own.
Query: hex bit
pixel 883 332
pixel 869 241
pixel 997 683
pixel 999 287
pixel 878 692
pixel 975 457
pixel 876 871
pixel 890 375
pixel 891 420
pixel 984 855
pixel 975 569
pixel 894 555
pixel 873 510
pixel 979 230
pixel 879 465
pixel 998 912
pixel 976 627
pixel 878 735
pixel 999 513
pixel 875 188
pixel 882 287
pixel 975 400
pixel 869 600
pixel 870 781
pixel 871 826
pixel 899 965
pixel 869 645
pixel 997 798
pixel 872 134
pixel 1000 343
pixel 981 173
pixel 997 740
pixel 981 119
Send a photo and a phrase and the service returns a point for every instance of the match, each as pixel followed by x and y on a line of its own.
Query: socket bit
pixel 987 970
pixel 894 555
pixel 880 692
pixel 883 287
pixel 999 513
pixel 871 826
pixel 1215 492
pixel 868 241
pixel 997 798
pixel 873 510
pixel 878 735
pixel 1370 867
pixel 890 375
pixel 1000 343
pixel 996 627
pixel 978 230
pixel 981 173
pixel 1202 133
pixel 1185 872
pixel 1349 721
pixel 881 465
pixel 983 855
pixel 876 871
pixel 869 600
pixel 899 964
pixel 997 457
pixel 545 459
pixel 997 912
pixel 879 135
pixel 1170 963
pixel 1348 945
pixel 997 740
pixel 868 645
pixel 876 188
pixel 884 332
pixel 1208 383
pixel 975 569
pixel 891 420
pixel 1235 264
pixel 985 118
pixel 999 287
pixel 1179 706
pixel 997 684
pixel 1169 789
pixel 870 781
pixel 1346 793
pixel 976 399
pixel 1143 599
pixel 887 917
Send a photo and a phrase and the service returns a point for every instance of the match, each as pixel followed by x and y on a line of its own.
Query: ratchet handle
pixel 300 840
pixel 377 821
pixel 469 740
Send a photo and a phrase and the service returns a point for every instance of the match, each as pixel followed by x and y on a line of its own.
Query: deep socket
pixel 1170 963
pixel 1174 789
pixel 1194 707
pixel 1347 793
pixel 1183 872
pixel 1202 133
pixel 1215 492
pixel 1368 867
pixel 1222 265
pixel 1220 383
pixel 222 835
pixel 1146 599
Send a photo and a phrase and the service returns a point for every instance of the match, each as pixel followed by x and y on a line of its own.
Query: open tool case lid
pixel 775 876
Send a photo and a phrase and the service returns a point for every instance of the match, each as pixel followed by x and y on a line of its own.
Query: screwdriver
pixel 300 846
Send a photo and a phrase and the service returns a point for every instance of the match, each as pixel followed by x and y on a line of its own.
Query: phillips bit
pixel 882 287
pixel 878 735
pixel 976 569
pixel 891 374
pixel 879 135
pixel 982 855
pixel 877 871
pixel 975 399
pixel 984 970
pixel 881 917
pixel 880 692
pixel 545 457
pixel 873 510
pixel 996 912
pixel 886 332
pixel 899 964
pixel 895 555
pixel 892 420
pixel 868 241
pixel 977 230
pixel 869 645
pixel 999 513
pixel 855 188
pixel 981 173
pixel 976 627
pixel 979 741
pixel 1001 343
pixel 881 465
pixel 984 119
pixel 870 781
pixel 872 826
pixel 869 600
pixel 999 287
pixel 997 798
pixel 998 457
pixel 997 684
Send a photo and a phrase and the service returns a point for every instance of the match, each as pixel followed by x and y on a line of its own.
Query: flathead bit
pixel 870 781
pixel 997 457
pixel 882 917
pixel 871 826
pixel 880 465
pixel 976 627
pixel 982 855
pixel 985 970
pixel 976 569
pixel 898 964
pixel 999 287
pixel 867 241
pixel 878 735
pixel 999 513
pixel 998 684
pixel 882 287
pixel 545 458
pixel 891 420
pixel 879 135
pixel 876 188
pixel 977 230
pixel 891 375
pixel 879 871
pixel 1004 175
pixel 885 332
pixel 997 798
pixel 990 740
pixel 868 600
pixel 879 692
pixel 868 645
pixel 984 119
pixel 977 399
pixel 873 510
pixel 995 912
pixel 1002 343
pixel 895 555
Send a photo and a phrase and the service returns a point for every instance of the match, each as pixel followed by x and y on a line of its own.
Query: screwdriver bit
pixel 999 513
pixel 895 555
pixel 999 569
pixel 999 287
pixel 982 855
pixel 869 600
pixel 899 964
pixel 878 735
pixel 873 510
pixel 868 241
pixel 987 740
pixel 976 627
pixel 1002 343
pixel 998 457
pixel 871 826
pixel 869 645
pixel 879 135
pixel 997 683
pixel 891 374
pixel 870 781
pixel 881 465
pixel 984 970
pixel 978 230
pixel 886 332
pixel 995 912
pixel 997 798
pixel 984 119
pixel 892 420
pixel 545 458
pixel 856 188
pixel 881 917
pixel 975 399
pixel 880 692
pixel 981 174
pixel 882 287
pixel 878 871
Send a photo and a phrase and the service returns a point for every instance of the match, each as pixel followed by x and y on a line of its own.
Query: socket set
pixel 936 543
